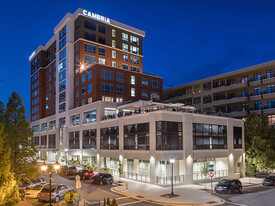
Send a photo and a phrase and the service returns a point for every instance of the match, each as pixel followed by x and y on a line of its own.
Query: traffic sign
pixel 211 174
pixel 211 167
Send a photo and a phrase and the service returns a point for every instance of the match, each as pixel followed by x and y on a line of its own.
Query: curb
pixel 162 203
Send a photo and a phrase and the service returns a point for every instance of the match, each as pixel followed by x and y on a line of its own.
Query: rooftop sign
pixel 96 16
pixel 31 56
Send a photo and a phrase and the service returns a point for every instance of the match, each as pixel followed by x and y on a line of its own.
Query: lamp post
pixel 172 161
pixel 44 167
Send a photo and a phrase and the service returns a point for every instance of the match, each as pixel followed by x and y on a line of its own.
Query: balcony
pixel 253 82
pixel 269 111
pixel 269 95
pixel 255 97
pixel 269 80
pixel 235 85
pixel 220 102
pixel 242 113
pixel 237 99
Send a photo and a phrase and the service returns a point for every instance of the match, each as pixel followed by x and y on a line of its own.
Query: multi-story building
pixel 92 102
pixel 143 136
pixel 235 94
pixel 89 58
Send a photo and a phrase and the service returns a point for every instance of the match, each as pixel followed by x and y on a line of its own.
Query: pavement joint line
pixel 160 203
pixel 233 203
pixel 129 203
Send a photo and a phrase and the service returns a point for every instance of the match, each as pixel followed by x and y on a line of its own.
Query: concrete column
pixel 152 170
pixel 231 165
pixel 189 169
pixel 136 165
pixel 98 161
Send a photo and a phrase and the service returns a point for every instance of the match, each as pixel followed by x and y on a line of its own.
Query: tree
pixel 120 170
pixel 9 194
pixel 205 167
pixel 19 139
pixel 259 143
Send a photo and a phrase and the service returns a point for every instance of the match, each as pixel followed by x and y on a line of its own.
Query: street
pixel 92 193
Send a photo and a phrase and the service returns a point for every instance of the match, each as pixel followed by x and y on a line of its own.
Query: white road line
pixel 101 201
pixel 233 203
pixel 129 203
pixel 122 198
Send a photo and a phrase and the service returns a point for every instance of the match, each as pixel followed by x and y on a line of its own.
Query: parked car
pixel 68 170
pixel 57 193
pixel 31 183
pixel 85 174
pixel 103 178
pixel 33 193
pixel 229 186
pixel 269 181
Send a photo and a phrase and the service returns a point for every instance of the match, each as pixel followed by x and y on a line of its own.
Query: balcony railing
pixel 166 180
pixel 137 176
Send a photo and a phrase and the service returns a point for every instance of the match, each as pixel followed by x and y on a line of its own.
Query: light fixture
pixel 44 166
pixel 172 160
pixel 56 165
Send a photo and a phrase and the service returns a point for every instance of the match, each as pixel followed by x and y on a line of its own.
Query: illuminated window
pixel 113 33
pixel 124 37
pixel 113 54
pixel 271 119
pixel 124 47
pixel 113 64
pixel 133 80
pixel 125 57
pixel 114 43
pixel 133 92
pixel 90 100
pixel 101 61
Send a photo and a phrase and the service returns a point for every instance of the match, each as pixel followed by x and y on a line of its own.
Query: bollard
pixel 126 185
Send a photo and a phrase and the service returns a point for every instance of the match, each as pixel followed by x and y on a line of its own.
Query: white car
pixel 33 193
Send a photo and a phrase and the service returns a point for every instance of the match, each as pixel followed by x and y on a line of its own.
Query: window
pixel 144 94
pixel 90 100
pixel 35 128
pixel 154 84
pixel 109 138
pixel 124 47
pixel 113 64
pixel 113 43
pixel 119 89
pixel 107 75
pixel 52 141
pixel 136 137
pixel 44 127
pixel 270 104
pixel 90 25
pixel 237 137
pixel 76 93
pixel 74 140
pixel 113 54
pixel 119 100
pixel 44 141
pixel 107 99
pixel 62 43
pixel 90 36
pixel 62 107
pixel 83 78
pixel 134 69
pixel 124 37
pixel 77 59
pixel 257 77
pixel 101 61
pixel 52 125
pixel 89 139
pixel 271 119
pixel 35 140
pixel 270 73
pixel 113 33
pixel 125 66
pixel 133 80
pixel 244 93
pixel 133 92
pixel 62 32
pixel 101 51
pixel 62 75
pixel 107 88
pixel 134 39
pixel 154 95
pixel 89 59
pixel 101 40
pixel 74 120
pixel 62 97
pixel 90 88
pixel 90 48
pixel 270 89
pixel 62 54
pixel 134 49
pixel 77 46
pixel 90 74
pixel 257 91
pixel 125 57
pixel 206 136
pixel 168 135
pixel 89 116
pixel 257 105
pixel 76 82
pixel 134 60
pixel 83 91
pixel 62 64
pixel 119 77
pixel 101 29
pixel 144 81
pixel 62 122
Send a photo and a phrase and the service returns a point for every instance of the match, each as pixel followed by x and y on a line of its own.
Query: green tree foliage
pixel 114 202
pixel 259 143
pixel 9 194
pixel 19 139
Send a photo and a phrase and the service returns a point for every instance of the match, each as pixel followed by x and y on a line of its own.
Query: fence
pixel 166 180
pixel 137 176
pixel 218 173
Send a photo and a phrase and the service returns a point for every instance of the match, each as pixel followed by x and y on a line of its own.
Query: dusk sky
pixel 185 40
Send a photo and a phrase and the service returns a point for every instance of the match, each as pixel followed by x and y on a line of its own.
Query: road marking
pixel 129 203
pixel 102 201
pixel 233 203
pixel 122 198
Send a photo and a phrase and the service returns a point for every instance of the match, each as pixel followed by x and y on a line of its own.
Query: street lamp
pixel 44 168
pixel 172 161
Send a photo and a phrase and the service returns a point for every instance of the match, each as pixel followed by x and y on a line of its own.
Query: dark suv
pixel 103 178
pixel 68 170
pixel 229 186
pixel 270 181
pixel 85 174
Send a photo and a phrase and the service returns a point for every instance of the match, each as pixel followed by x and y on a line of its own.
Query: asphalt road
pixel 253 195
pixel 92 193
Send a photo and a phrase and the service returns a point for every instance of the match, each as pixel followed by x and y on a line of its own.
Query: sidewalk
pixel 185 194
pixel 23 203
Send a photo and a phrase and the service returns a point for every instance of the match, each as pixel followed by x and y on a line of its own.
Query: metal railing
pixel 218 173
pixel 137 176
pixel 166 180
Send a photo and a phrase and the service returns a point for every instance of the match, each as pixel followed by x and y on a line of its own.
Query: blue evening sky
pixel 185 40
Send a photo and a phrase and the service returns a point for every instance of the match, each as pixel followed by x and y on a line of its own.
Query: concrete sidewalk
pixel 186 194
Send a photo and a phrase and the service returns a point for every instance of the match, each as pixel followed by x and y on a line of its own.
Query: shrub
pixel 70 196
